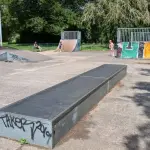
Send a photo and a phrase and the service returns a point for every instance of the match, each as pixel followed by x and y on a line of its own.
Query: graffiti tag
pixel 15 57
pixel 21 123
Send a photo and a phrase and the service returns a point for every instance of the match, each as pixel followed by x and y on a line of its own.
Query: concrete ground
pixel 121 121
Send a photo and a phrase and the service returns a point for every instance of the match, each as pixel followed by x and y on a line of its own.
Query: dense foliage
pixel 26 20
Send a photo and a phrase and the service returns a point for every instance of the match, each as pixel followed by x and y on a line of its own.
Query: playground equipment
pixel 71 41
pixel 133 42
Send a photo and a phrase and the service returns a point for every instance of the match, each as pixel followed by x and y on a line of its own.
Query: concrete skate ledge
pixel 44 118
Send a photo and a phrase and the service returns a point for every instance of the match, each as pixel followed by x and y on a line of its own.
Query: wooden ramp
pixel 68 45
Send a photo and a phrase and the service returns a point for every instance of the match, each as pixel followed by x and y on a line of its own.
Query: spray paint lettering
pixel 130 49
pixel 21 123
pixel 15 57
pixel 147 50
pixel 141 48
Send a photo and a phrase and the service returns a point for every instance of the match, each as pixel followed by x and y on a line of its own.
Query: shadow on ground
pixel 145 72
pixel 142 99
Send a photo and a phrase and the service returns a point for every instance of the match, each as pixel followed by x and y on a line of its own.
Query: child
pixel 60 46
pixel 37 46
pixel 111 46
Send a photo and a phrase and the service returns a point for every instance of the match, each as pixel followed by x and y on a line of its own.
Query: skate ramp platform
pixel 21 55
pixel 44 118
pixel 70 45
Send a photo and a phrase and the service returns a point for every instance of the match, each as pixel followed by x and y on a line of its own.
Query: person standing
pixel 60 46
pixel 111 47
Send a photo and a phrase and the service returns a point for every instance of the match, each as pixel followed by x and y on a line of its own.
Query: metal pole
pixel 118 40
pixel 0 30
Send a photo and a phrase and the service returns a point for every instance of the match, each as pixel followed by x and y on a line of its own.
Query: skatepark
pixel 74 75
pixel 48 97
pixel 114 123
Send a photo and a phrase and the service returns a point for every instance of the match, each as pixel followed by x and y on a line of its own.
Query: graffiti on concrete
pixel 21 123
pixel 6 56
pixel 129 46
pixel 130 50
pixel 119 50
pixel 133 50
pixel 16 57
pixel 141 48
pixel 147 50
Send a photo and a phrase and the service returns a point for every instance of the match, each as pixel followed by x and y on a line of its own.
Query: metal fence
pixel 133 34
pixel 71 35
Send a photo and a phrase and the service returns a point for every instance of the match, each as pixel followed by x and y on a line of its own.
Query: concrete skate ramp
pixel 31 56
pixel 69 45
pixel 9 57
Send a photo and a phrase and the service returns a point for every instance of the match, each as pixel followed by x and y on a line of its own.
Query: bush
pixel 14 38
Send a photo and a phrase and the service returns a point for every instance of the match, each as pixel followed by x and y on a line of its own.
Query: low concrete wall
pixel 134 50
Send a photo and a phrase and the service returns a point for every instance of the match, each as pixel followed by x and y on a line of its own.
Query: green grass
pixel 23 141
pixel 30 47
pixel 53 46
pixel 93 47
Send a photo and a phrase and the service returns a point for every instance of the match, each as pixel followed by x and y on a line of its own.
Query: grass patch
pixel 23 141
pixel 94 47
pixel 53 46
pixel 30 47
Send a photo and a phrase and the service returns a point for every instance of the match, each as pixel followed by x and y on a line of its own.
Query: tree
pixel 42 15
pixel 104 16
pixel 98 19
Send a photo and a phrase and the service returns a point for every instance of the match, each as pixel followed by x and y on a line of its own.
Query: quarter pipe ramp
pixel 70 45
